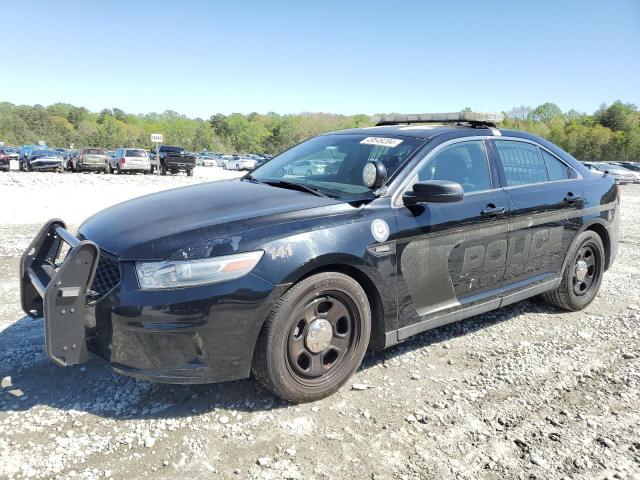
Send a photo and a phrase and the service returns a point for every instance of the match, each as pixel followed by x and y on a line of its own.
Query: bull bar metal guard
pixel 58 292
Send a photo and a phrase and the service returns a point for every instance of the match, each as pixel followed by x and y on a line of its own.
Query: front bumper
pixel 45 166
pixel 190 335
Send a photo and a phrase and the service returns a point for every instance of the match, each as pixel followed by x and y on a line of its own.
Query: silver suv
pixel 128 160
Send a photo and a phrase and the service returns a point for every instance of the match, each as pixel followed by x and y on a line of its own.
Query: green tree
pixel 618 117
pixel 545 112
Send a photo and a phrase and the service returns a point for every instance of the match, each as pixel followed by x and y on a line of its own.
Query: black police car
pixel 293 273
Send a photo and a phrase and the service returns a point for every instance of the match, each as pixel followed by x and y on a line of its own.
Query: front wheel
pixel 582 274
pixel 314 339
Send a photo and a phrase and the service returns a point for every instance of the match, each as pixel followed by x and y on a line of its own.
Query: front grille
pixel 107 275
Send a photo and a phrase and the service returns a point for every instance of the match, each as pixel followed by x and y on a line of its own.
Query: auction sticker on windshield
pixel 382 141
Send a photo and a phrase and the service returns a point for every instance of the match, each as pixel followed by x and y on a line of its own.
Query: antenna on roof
pixel 476 119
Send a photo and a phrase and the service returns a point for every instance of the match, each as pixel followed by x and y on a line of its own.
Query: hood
pixel 155 226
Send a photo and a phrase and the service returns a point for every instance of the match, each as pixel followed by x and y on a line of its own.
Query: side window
pixel 465 163
pixel 522 163
pixel 556 169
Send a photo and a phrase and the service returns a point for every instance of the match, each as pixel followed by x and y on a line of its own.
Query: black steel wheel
pixel 314 339
pixel 582 275
pixel 585 269
pixel 323 335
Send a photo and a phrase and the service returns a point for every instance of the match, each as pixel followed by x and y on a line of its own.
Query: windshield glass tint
pixel 46 153
pixel 334 163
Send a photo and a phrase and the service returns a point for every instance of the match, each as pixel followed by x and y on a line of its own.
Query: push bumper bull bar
pixel 58 292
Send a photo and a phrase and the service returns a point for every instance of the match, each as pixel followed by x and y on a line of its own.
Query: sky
pixel 205 57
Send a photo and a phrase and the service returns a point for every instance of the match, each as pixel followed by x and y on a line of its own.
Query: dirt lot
pixel 526 392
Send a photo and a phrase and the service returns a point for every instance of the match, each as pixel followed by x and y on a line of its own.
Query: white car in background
pixel 128 160
pixel 240 162
pixel 306 168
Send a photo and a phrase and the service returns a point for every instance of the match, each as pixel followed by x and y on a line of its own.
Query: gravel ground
pixel 525 392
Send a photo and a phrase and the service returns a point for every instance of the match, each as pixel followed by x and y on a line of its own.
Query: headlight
pixel 188 273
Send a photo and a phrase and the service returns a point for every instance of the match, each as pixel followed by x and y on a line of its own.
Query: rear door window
pixel 522 163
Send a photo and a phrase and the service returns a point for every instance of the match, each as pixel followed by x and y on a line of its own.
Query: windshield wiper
pixel 251 178
pixel 295 186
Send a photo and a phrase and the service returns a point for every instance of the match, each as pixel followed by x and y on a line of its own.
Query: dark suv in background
pixel 173 160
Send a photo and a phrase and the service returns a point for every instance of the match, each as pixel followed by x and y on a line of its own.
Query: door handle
pixel 571 198
pixel 492 211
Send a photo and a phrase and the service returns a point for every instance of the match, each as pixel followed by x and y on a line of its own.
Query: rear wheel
pixel 163 170
pixel 190 173
pixel 582 275
pixel 314 339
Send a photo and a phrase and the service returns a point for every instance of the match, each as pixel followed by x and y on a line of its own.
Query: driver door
pixel 452 256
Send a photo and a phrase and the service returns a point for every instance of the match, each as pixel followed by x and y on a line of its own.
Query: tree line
pixel 609 134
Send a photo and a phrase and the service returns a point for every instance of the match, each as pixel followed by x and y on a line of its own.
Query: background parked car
pixel 5 160
pixel 66 156
pixel 621 175
pixel 89 159
pixel 633 166
pixel 240 162
pixel 42 161
pixel 174 159
pixel 306 168
pixel 26 150
pixel 128 160
pixel 13 152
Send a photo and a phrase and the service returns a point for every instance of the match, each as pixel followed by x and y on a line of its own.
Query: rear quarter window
pixel 555 168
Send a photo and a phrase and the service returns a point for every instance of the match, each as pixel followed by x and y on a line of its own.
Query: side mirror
pixel 434 191
pixel 374 174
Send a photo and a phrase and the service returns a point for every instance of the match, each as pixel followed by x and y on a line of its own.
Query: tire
pixel 107 169
pixel 237 167
pixel 163 170
pixel 190 173
pixel 288 365
pixel 578 288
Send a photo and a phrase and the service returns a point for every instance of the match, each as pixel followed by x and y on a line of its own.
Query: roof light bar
pixel 474 118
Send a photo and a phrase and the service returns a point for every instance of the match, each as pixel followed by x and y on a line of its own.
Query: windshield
pixel 333 164
pixel 46 153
